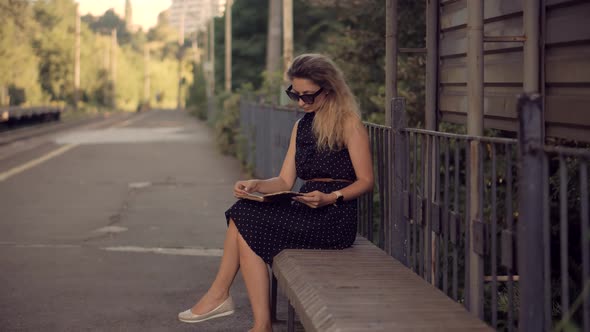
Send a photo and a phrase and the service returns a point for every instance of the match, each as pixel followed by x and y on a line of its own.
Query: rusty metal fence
pixel 460 243
pixel 265 134
pixel 516 251
pixel 554 230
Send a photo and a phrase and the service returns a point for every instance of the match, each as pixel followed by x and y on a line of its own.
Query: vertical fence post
pixel 400 155
pixel 475 125
pixel 530 228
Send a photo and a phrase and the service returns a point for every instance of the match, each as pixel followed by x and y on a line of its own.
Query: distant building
pixel 196 13
pixel 128 15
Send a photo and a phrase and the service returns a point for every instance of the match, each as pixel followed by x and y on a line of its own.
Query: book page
pixel 278 197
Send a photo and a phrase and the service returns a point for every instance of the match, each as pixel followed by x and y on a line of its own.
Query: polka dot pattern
pixel 269 228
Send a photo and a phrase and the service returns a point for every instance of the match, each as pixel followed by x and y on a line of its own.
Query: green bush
pixel 227 122
pixel 196 99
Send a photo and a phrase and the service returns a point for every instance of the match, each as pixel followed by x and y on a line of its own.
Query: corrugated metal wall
pixel 566 34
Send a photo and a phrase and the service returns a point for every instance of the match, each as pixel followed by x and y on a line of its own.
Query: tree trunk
pixel 273 49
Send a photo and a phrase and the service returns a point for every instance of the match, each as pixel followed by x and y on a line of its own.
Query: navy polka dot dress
pixel 269 228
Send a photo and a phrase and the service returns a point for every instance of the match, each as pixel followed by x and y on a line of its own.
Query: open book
pixel 278 197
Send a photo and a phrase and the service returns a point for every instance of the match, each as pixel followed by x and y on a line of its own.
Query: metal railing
pixel 374 208
pixel 554 230
pixel 451 246
pixel 516 251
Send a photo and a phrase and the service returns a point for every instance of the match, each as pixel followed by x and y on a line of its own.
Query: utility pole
pixel 180 54
pixel 114 68
pixel 287 45
pixel 391 47
pixel 287 35
pixel 273 48
pixel 106 70
pixel 77 60
pixel 206 58
pixel 212 53
pixel 228 45
pixel 196 50
pixel 146 74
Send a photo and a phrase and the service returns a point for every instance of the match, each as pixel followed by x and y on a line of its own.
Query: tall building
pixel 196 13
pixel 128 15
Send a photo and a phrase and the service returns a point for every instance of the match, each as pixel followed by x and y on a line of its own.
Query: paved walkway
pixel 115 228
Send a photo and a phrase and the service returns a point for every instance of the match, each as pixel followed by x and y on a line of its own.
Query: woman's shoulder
pixel 353 122
pixel 354 128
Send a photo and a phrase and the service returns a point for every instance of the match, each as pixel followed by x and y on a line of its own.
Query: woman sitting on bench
pixel 329 150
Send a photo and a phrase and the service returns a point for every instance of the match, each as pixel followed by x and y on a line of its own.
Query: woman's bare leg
pixel 255 275
pixel 230 262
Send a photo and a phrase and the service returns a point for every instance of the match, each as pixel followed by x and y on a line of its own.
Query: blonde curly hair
pixel 339 104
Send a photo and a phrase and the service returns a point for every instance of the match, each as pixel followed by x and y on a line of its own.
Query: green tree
pixel 54 47
pixel 249 29
pixel 106 23
pixel 18 63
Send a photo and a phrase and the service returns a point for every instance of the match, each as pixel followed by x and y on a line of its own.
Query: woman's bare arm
pixel 357 142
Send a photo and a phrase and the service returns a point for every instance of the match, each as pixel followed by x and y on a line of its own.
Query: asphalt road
pixel 114 226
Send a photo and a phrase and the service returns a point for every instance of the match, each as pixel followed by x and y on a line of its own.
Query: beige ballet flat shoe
pixel 224 309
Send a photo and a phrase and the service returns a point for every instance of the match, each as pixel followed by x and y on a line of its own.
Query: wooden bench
pixel 363 289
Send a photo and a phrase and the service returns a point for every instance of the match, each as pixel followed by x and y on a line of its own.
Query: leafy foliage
pixel 37 58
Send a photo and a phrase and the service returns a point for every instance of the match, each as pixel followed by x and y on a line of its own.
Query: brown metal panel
pixel 489 122
pixel 550 3
pixel 497 8
pixel 498 101
pixel 453 99
pixel 569 64
pixel 503 68
pixel 454 42
pixel 577 134
pixel 454 14
pixel 510 26
pixel 452 70
pixel 498 68
pixel 566 24
pixel 568 108
pixel 567 115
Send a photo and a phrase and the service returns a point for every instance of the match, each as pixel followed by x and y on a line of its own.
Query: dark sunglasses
pixel 306 98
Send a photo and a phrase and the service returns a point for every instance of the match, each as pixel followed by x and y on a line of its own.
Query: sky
pixel 145 12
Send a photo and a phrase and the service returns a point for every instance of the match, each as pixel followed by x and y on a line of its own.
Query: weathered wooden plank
pixel 569 64
pixel 454 42
pixel 499 101
pixel 495 123
pixel 364 289
pixel 566 24
pixel 455 14
pixel 568 109
pixel 498 68
pixel 571 132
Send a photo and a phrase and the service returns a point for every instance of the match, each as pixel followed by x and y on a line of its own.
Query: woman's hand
pixel 242 188
pixel 316 199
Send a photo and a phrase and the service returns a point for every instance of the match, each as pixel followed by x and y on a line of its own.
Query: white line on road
pixel 208 252
pixel 35 162
pixel 171 251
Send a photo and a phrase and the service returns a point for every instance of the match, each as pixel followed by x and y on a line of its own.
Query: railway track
pixel 23 133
